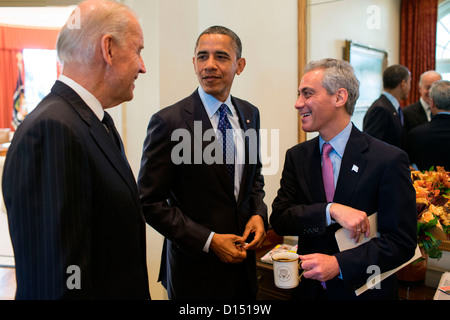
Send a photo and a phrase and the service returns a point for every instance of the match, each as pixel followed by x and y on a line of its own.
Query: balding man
pixel 419 113
pixel 73 207
pixel 429 143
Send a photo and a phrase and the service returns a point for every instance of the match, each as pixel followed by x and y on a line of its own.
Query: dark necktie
pixel 327 172
pixel 400 115
pixel 111 129
pixel 227 141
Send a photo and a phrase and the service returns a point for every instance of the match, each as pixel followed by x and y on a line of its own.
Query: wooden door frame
pixel 302 54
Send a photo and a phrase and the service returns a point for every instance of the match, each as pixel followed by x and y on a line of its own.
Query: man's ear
pixel 240 65
pixel 107 48
pixel 341 97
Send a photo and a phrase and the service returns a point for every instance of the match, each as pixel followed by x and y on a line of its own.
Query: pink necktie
pixel 327 172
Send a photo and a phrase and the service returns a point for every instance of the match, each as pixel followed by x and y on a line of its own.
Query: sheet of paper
pixel 343 235
pixel 444 283
pixel 386 274
pixel 345 243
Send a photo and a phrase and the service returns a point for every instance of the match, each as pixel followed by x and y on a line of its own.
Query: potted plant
pixel 433 219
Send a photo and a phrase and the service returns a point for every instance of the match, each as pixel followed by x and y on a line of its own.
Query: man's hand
pixel 255 225
pixel 319 266
pixel 351 219
pixel 228 247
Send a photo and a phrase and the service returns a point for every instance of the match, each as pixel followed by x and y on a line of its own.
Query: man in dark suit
pixel 429 143
pixel 359 177
pixel 419 113
pixel 211 218
pixel 384 119
pixel 74 213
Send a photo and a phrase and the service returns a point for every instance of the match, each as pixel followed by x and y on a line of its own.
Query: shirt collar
pixel 426 108
pixel 212 104
pixel 339 142
pixel 392 99
pixel 87 97
pixel 425 105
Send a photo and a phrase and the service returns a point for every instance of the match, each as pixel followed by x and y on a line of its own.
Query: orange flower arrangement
pixel 433 207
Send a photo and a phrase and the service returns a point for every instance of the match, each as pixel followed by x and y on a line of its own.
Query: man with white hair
pixel 419 112
pixel 73 207
pixel 429 144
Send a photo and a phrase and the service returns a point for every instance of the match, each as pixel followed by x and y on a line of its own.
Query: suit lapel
pixel 314 168
pixel 99 134
pixel 246 122
pixel 352 166
pixel 392 109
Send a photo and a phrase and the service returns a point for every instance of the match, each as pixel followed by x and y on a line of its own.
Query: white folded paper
pixel 345 243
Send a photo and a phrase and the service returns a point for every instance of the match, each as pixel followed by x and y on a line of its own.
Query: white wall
pixel 333 22
pixel 373 23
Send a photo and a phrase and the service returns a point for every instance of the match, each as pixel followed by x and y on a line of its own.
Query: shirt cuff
pixel 208 242
pixel 329 221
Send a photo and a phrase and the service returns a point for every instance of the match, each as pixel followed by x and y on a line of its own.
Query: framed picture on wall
pixel 369 64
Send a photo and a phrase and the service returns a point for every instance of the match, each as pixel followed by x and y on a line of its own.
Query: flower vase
pixel 415 272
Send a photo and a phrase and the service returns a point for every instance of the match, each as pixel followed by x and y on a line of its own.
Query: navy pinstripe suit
pixel 72 200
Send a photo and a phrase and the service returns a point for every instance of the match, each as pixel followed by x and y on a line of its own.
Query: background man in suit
pixel 419 113
pixel 366 177
pixel 384 119
pixel 429 144
pixel 207 214
pixel 76 224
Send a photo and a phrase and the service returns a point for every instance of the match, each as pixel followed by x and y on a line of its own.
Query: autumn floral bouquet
pixel 433 209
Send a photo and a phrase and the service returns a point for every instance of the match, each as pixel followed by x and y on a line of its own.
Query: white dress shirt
pixel 212 105
pixel 338 143
pixel 426 108
pixel 87 97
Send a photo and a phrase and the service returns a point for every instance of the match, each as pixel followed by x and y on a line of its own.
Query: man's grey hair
pixel 440 94
pixel 338 74
pixel 79 44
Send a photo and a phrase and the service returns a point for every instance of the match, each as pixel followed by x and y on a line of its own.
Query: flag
pixel 18 113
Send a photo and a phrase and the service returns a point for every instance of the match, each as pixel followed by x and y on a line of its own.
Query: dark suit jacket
pixel 429 144
pixel 382 122
pixel 72 200
pixel 185 202
pixel 414 115
pixel 381 184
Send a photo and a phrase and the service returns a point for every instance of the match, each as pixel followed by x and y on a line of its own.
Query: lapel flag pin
pixel 355 168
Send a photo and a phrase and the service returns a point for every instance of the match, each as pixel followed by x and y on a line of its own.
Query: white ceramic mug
pixel 285 269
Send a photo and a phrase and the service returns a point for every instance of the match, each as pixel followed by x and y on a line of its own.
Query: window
pixel 443 40
pixel 40 75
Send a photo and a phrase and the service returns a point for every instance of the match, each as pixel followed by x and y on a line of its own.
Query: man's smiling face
pixel 216 64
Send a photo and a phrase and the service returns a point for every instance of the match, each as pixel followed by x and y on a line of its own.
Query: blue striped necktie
pixel 227 141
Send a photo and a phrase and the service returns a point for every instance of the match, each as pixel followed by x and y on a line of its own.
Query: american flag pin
pixel 355 168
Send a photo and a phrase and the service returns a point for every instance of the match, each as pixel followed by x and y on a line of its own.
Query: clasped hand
pixel 232 248
pixel 353 220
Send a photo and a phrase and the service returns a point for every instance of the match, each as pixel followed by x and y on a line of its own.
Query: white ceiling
pixel 53 17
